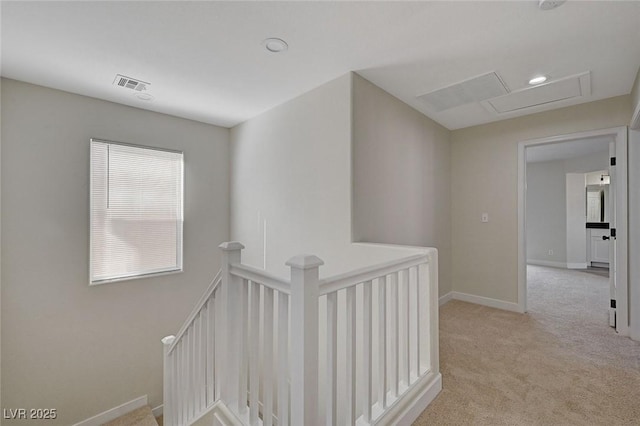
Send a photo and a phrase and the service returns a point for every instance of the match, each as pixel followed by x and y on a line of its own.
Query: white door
pixel 611 237
pixel 634 233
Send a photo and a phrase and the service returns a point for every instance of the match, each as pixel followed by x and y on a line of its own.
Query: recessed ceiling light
pixel 275 45
pixel 537 80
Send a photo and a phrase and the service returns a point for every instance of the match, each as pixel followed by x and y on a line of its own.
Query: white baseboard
pixel 403 414
pixel 549 263
pixel 486 301
pixel 218 415
pixel 413 403
pixel 158 411
pixel 553 264
pixel 114 413
pixel 444 299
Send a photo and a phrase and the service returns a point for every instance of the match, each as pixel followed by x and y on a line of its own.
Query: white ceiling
pixel 567 150
pixel 205 60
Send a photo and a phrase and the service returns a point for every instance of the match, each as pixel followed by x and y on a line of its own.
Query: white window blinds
pixel 136 211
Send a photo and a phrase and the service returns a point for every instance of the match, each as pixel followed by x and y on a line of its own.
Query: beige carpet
pixel 140 417
pixel 558 365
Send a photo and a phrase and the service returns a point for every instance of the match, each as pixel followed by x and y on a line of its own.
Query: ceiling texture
pixel 206 60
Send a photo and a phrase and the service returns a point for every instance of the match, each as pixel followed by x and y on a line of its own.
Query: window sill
pixel 135 277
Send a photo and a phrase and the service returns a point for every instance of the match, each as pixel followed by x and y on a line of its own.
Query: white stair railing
pixel 191 383
pixel 378 324
pixel 343 350
pixel 257 341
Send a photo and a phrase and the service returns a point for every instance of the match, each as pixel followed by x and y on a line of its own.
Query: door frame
pixel 622 286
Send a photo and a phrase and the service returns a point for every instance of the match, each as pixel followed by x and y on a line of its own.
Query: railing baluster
pixel 244 356
pixel 283 359
pixel 193 376
pixel 367 391
pixel 210 351
pixel 175 384
pixel 382 341
pixel 426 272
pixel 175 394
pixel 351 357
pixel 192 371
pixel 177 397
pixel 395 342
pixel 254 345
pixel 407 332
pixel 332 358
pixel 197 376
pixel 432 330
pixel 203 359
pixel 185 377
pixel 267 358
pixel 184 390
pixel 218 346
pixel 181 397
pixel 204 326
pixel 417 321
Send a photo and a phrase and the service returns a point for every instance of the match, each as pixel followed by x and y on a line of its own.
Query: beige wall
pixel 484 179
pixel 634 233
pixel 546 212
pixel 290 178
pixel 635 102
pixel 66 345
pixel 401 169
pixel 291 182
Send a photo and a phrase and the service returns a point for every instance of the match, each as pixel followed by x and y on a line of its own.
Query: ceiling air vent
pixel 477 89
pixel 130 83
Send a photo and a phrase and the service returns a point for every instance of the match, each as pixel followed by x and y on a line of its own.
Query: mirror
pixel 597 203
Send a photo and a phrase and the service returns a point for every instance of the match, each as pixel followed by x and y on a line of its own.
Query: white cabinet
pixel 597 248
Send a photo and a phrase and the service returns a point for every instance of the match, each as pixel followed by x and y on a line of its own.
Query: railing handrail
pixel 197 308
pixel 260 276
pixel 351 278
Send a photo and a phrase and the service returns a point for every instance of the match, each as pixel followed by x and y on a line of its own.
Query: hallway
pixel 559 364
pixel 573 306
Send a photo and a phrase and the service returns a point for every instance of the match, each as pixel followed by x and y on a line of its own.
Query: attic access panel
pixel 477 89
pixel 559 90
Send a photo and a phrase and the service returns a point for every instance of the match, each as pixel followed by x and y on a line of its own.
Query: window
pixel 135 212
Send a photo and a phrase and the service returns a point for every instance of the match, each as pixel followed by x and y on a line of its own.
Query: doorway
pixel 573 240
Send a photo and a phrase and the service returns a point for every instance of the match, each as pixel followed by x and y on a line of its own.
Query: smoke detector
pixel 550 4
pixel 275 45
pixel 130 83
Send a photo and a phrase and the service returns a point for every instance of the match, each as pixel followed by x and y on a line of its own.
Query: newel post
pixel 304 338
pixel 167 383
pixel 233 306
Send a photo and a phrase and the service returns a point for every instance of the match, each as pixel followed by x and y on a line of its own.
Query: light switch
pixel 485 217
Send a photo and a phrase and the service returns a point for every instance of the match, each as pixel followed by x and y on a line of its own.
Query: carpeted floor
pixel 560 364
pixel 140 417
pixel 603 272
